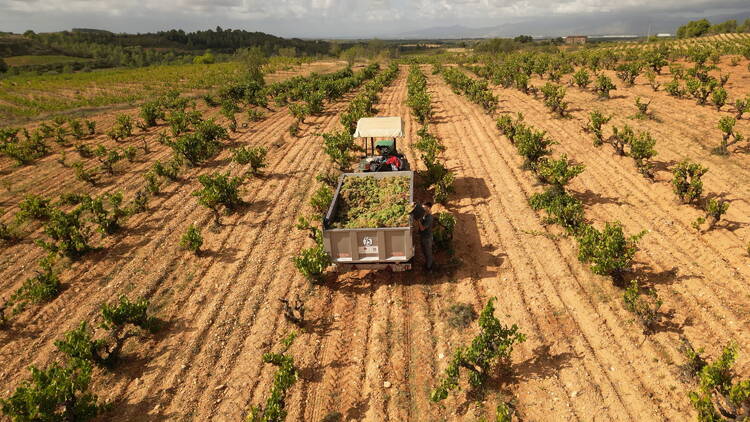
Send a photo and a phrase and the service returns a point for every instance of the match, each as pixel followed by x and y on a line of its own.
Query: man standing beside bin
pixel 424 228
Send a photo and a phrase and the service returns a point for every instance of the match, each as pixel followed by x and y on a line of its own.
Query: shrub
pixel 228 110
pixel 651 76
pixel 673 88
pixel 76 129
pixel 255 156
pixel 558 172
pixel 627 72
pixel 493 345
pixel 700 90
pixel 56 393
pixel 84 150
pixel 119 320
pixel 313 261
pixel 210 100
pixel 179 121
pixel 294 128
pixel 642 109
pixel 90 127
pixel 532 145
pixel 60 134
pixel 255 115
pixel 714 210
pixel 299 111
pixel 609 251
pixel 79 344
pixel 719 98
pixel 107 158
pixel 139 203
pixel 621 138
pixel 82 174
pixel 561 208
pixel 219 189
pixel 152 183
pixel 642 150
pixel 726 125
pixel 603 86
pixel 109 219
pixel 41 288
pixel 686 181
pixel 125 312
pixel 34 207
pixel 553 98
pixel 582 78
pixel 338 146
pixel 314 102
pixel 151 112
pixel 718 387
pixel 170 171
pixel 68 233
pixel 130 153
pixel 123 128
pixel 22 152
pixel 283 379
pixel 196 148
pixel 321 199
pixel 442 231
pixel 429 145
pixel 192 239
pixel 596 121
pixel 419 99
pixel 70 198
pixel 645 306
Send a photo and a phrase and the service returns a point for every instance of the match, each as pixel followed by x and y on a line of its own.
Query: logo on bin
pixel 367 246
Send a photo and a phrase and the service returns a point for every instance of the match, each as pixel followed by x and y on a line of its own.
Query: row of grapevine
pixel 476 90
pixel 494 343
pixel 437 176
pixel 609 251
pixel 640 145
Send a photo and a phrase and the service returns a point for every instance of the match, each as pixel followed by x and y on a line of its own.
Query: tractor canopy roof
pixel 380 127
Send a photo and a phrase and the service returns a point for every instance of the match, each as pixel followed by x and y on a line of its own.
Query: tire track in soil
pixel 582 323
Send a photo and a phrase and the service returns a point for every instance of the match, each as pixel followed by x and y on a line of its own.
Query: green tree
pixel 694 29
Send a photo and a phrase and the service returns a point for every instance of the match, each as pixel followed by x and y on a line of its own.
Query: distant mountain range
pixel 600 24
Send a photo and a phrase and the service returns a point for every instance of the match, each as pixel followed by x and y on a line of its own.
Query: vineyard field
pixel 374 345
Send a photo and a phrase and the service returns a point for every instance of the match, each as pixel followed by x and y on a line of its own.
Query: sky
pixel 356 18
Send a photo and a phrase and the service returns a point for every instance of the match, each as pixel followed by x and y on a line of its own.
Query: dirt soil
pixel 374 344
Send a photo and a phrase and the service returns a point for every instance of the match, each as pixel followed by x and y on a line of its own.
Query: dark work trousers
pixel 426 242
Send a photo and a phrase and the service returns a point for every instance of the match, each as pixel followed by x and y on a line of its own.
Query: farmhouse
pixel 576 39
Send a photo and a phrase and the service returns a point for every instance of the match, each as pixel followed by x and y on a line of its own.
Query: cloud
pixel 320 18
